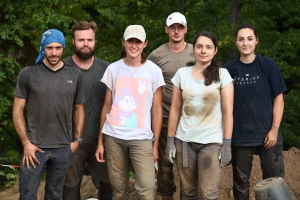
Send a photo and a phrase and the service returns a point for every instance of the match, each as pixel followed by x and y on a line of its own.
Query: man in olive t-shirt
pixel 170 57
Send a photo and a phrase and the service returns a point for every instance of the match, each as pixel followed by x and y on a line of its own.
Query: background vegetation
pixel 23 22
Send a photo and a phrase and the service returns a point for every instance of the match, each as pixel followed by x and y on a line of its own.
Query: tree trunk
pixel 235 8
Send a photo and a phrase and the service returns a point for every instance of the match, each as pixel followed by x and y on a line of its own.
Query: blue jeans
pixel 56 162
pixel 200 179
pixel 271 161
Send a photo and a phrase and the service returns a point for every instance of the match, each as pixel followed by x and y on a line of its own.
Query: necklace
pixel 128 68
pixel 131 73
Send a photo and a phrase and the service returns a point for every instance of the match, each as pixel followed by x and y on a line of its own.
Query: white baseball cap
pixel 176 17
pixel 135 31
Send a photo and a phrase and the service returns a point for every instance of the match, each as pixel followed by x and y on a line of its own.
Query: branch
pixel 97 16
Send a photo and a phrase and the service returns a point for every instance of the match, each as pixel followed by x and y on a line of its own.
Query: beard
pixel 84 55
pixel 53 63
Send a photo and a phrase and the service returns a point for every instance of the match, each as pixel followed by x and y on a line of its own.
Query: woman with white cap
pixel 131 117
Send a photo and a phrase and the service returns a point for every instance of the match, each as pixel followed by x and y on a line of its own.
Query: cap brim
pixel 169 23
pixel 135 36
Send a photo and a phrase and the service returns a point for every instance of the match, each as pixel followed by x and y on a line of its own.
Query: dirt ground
pixel 292 179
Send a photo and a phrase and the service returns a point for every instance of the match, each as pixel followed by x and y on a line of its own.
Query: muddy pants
pixel 272 164
pixel 85 154
pixel 200 179
pixel 57 161
pixel 140 153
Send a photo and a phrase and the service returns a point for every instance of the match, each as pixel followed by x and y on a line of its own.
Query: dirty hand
pixel 74 146
pixel 225 153
pixel 100 153
pixel 271 138
pixel 170 149
pixel 29 157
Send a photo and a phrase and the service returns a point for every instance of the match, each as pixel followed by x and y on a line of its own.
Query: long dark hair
pixel 211 73
pixel 123 55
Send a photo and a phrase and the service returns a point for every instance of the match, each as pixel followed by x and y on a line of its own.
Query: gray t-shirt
pixel 94 94
pixel 50 97
pixel 170 62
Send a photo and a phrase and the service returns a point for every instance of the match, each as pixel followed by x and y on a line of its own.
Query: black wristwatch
pixel 80 140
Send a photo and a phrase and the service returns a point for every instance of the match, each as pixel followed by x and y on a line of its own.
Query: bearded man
pixel 92 70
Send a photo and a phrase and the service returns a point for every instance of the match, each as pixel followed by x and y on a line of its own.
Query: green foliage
pixel 132 173
pixel 10 177
pixel 290 122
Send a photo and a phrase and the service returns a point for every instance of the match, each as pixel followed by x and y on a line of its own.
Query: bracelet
pixel 275 126
pixel 25 143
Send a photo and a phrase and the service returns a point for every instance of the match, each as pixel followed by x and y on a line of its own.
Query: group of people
pixel 177 103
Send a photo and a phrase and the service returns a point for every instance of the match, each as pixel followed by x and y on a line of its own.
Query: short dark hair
pixel 84 25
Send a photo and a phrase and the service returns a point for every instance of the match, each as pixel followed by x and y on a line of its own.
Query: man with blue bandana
pixel 54 95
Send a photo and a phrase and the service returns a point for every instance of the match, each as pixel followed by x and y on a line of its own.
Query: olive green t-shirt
pixel 170 62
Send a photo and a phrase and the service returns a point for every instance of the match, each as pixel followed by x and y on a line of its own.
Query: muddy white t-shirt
pixel 201 119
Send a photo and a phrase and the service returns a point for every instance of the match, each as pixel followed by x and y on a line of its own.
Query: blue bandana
pixel 49 36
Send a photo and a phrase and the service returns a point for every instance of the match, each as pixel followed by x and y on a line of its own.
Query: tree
pixel 22 23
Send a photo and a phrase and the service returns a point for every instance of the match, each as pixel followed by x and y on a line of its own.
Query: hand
pixel 271 138
pixel 170 149
pixel 225 153
pixel 29 155
pixel 100 153
pixel 74 146
pixel 155 153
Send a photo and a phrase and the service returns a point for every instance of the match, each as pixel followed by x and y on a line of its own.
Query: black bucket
pixel 273 188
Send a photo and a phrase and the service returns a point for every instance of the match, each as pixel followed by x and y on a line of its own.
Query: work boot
pixel 72 193
pixel 167 197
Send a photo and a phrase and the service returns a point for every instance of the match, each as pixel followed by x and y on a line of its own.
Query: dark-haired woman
pixel 131 117
pixel 201 121
pixel 258 109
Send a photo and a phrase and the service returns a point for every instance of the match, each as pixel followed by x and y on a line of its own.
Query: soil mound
pixel 292 179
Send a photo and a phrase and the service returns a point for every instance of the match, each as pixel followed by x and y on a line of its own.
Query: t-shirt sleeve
pixel 176 79
pixel 276 80
pixel 80 94
pixel 225 77
pixel 229 65
pixel 159 80
pixel 22 86
pixel 107 78
pixel 152 56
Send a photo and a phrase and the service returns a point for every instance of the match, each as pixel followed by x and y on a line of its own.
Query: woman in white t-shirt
pixel 201 121
pixel 131 117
